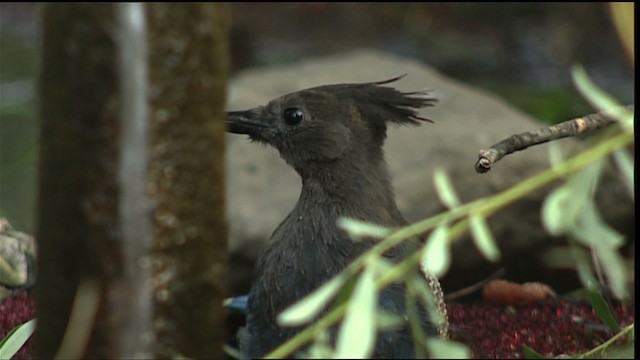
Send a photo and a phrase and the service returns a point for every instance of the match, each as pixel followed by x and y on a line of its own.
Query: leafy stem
pixel 484 207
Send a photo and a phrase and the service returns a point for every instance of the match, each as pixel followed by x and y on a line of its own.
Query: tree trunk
pixel 131 220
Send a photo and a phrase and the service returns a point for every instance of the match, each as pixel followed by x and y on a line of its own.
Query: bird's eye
pixel 293 116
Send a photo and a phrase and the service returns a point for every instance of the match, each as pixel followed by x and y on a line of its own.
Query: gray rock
pixel 17 259
pixel 262 189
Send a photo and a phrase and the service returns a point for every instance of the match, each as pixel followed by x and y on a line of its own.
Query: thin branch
pixel 486 158
pixel 606 344
pixel 472 288
pixel 483 206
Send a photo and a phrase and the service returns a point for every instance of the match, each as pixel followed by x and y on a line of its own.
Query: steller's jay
pixel 332 136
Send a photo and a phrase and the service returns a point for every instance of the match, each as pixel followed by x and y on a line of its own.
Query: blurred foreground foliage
pixel 569 211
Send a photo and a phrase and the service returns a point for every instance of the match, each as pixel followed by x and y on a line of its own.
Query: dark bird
pixel 332 136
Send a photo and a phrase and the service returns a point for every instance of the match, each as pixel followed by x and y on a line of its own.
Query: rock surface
pixel 262 189
pixel 17 259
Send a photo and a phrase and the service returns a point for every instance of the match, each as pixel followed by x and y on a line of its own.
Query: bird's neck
pixel 308 248
pixel 358 189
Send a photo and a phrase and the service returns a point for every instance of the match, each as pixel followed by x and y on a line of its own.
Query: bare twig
pixel 486 158
pixel 475 287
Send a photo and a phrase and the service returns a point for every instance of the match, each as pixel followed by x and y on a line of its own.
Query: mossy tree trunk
pixel 131 220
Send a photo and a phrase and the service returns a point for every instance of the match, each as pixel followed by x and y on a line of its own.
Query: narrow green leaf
pixel 625 164
pixel 613 267
pixel 555 154
pixel 529 353
pixel 558 257
pixel 346 291
pixel 307 308
pixel 593 231
pixel 623 351
pixel 583 183
pixel 578 194
pixel 321 348
pixel 413 317
pixel 386 320
pixel 16 338
pixel 380 265
pixel 596 96
pixel 599 99
pixel 564 207
pixel 359 229
pixel 358 330
pixel 583 265
pixel 602 309
pixel 435 254
pixel 604 241
pixel 554 216
pixel 447 349
pixel 483 238
pixel 444 188
pixel 231 351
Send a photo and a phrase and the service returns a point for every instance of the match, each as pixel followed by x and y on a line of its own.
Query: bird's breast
pixel 301 256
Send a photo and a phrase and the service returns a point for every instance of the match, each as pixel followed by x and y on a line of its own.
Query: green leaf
pixel 347 290
pixel 447 349
pixel 16 338
pixel 583 183
pixel 435 254
pixel 555 154
pixel 596 96
pixel 380 265
pixel 444 188
pixel 413 317
pixel 529 353
pixel 613 266
pixel 599 99
pixel 604 241
pixel 231 351
pixel 602 309
pixel 565 206
pixel 591 230
pixel 623 16
pixel 358 330
pixel 386 320
pixel 321 348
pixel 483 238
pixel 308 307
pixel 359 229
pixel 558 257
pixel 626 350
pixel 583 266
pixel 625 164
pixel 554 214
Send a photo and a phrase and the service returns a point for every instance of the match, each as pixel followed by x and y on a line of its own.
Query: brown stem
pixel 488 157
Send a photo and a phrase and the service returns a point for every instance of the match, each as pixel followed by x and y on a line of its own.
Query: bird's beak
pixel 246 122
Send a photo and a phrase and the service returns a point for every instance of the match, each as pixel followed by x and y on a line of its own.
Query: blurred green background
pixel 521 52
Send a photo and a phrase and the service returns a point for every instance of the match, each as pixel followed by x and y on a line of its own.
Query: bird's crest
pixel 386 104
pixel 381 105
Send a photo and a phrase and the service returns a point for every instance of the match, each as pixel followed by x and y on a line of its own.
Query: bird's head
pixel 325 123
